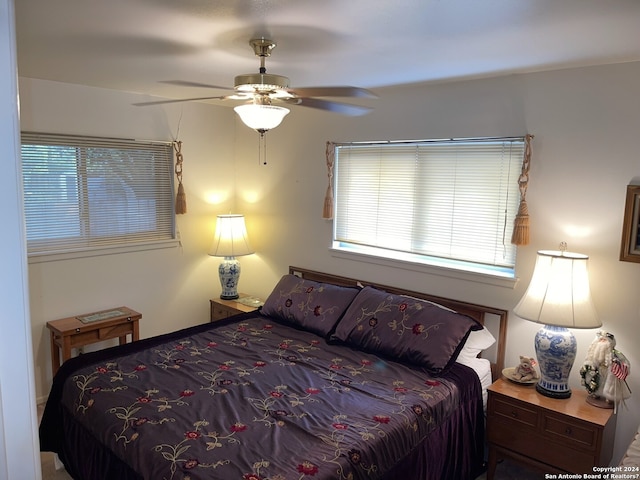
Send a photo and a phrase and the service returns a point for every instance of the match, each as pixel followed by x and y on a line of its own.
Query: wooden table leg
pixel 55 353
pixel 66 348
pixel 135 336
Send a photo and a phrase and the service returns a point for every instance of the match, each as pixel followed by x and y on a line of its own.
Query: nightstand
pixel 221 309
pixel 551 435
pixel 75 332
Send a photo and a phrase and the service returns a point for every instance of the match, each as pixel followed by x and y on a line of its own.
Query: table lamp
pixel 230 241
pixel 559 298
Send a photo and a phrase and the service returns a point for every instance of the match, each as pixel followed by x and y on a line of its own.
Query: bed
pixel 333 378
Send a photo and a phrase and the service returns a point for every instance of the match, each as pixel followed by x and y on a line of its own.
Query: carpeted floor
pixel 49 471
pixel 507 470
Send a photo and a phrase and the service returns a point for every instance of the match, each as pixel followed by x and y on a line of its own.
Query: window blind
pixel 83 193
pixel 444 199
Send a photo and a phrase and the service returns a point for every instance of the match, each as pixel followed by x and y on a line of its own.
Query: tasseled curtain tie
pixel 181 198
pixel 521 224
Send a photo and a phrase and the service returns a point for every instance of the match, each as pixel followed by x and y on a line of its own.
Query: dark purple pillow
pixel 310 305
pixel 405 328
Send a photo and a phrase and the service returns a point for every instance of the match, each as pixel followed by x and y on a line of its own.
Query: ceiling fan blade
pixel 344 91
pixel 342 108
pixel 161 102
pixel 185 83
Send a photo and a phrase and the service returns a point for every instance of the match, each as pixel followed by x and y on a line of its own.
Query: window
pixel 83 194
pixel 443 203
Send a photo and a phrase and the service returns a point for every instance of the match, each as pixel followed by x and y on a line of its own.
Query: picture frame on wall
pixel 630 249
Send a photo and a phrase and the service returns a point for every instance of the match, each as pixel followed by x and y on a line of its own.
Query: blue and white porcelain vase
pixel 556 351
pixel 229 271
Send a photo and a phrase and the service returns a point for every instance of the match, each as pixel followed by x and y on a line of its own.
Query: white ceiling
pixel 131 45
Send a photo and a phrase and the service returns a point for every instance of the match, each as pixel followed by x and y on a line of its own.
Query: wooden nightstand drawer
pixel 517 414
pixel 221 309
pixel 219 312
pixel 563 457
pixel 571 432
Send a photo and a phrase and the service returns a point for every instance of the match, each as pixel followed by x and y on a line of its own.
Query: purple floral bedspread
pixel 255 399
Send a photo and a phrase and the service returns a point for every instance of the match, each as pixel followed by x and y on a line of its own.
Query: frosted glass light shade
pixel 261 117
pixel 559 292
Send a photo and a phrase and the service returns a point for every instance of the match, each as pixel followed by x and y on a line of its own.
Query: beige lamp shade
pixel 559 292
pixel 230 238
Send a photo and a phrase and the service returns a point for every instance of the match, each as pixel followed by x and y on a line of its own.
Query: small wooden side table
pixel 548 434
pixel 221 309
pixel 81 330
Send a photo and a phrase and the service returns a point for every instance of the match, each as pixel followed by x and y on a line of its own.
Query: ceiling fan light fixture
pixel 261 88
pixel 261 117
pixel 260 82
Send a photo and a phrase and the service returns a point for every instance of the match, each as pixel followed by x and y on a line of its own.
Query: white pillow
pixel 477 341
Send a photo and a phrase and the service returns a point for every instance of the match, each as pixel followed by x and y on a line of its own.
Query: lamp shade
pixel 230 238
pixel 559 292
pixel 261 117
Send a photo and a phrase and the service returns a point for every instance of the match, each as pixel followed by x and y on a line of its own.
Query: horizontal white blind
pixel 83 193
pixel 447 199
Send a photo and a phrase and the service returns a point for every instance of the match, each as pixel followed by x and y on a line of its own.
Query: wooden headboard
pixel 478 312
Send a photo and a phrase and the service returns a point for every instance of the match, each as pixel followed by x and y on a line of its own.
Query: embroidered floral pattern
pixel 312 305
pixel 409 329
pixel 256 382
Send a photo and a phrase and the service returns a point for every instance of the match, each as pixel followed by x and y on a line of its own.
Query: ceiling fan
pixel 265 93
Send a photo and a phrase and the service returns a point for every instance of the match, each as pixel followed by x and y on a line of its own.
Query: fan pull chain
pixel 262 149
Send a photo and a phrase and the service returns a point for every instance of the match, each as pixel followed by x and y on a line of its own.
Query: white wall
pixel 18 425
pixel 584 154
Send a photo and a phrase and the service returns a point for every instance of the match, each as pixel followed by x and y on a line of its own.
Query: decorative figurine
pixel 524 371
pixel 604 372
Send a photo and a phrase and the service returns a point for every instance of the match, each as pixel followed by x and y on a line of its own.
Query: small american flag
pixel 620 367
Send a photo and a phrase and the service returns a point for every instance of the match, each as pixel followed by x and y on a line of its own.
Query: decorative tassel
pixel 181 200
pixel 520 234
pixel 327 211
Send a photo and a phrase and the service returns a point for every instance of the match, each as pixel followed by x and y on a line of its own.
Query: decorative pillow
pixel 429 301
pixel 478 341
pixel 405 328
pixel 311 305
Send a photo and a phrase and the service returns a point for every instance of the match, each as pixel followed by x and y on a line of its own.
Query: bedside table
pixel 71 332
pixel 551 435
pixel 221 309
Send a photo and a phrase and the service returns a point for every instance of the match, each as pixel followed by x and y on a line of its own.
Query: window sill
pixel 438 270
pixel 97 252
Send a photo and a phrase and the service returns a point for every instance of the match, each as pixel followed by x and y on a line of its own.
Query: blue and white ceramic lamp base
pixel 556 349
pixel 229 271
